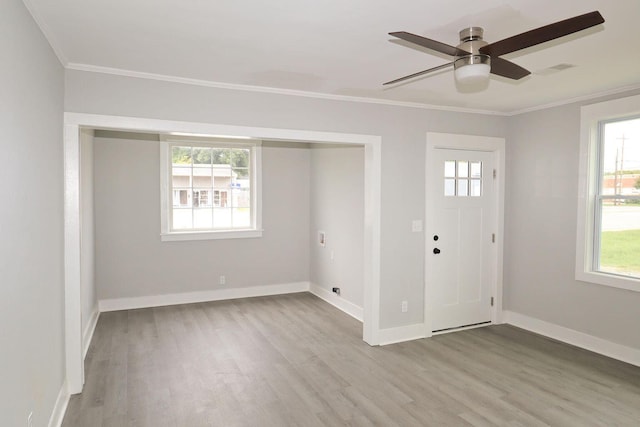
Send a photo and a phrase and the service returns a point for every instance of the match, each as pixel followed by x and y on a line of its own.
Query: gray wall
pixel 31 221
pixel 403 132
pixel 337 208
pixel 540 232
pixel 131 260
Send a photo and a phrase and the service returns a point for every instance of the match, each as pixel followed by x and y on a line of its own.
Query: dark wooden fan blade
pixel 420 73
pixel 508 69
pixel 543 34
pixel 428 43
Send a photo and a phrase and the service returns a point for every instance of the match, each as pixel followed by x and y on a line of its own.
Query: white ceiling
pixel 342 47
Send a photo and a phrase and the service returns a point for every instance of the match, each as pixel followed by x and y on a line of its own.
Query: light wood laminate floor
pixel 294 360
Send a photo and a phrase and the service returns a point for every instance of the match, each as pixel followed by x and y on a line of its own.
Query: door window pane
pixel 449 187
pixel 463 187
pixel 476 188
pixel 450 169
pixel 463 169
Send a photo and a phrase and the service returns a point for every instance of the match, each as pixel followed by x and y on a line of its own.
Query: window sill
pixel 210 235
pixel 611 280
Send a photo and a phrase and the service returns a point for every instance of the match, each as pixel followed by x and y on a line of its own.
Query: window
pixel 210 188
pixel 609 210
pixel 462 178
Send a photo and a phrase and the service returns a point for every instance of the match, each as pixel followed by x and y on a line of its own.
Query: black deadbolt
pixel 436 251
pixel 435 237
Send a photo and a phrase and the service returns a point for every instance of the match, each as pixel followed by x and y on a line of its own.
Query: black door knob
pixel 436 251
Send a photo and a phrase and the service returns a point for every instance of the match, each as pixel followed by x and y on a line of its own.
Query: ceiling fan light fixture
pixel 472 69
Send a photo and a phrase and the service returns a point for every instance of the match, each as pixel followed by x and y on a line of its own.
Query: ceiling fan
pixel 474 59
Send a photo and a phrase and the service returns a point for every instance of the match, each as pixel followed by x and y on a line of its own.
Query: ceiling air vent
pixel 554 69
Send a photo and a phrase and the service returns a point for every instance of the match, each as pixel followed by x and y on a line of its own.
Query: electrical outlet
pixel 405 306
pixel 223 280
pixel 335 291
pixel 30 419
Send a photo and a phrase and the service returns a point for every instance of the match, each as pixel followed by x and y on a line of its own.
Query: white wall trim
pixel 573 100
pixel 573 337
pixel 401 334
pixel 89 329
pixel 60 407
pixel 292 92
pixel 72 260
pixel 337 301
pixel 264 89
pixel 116 304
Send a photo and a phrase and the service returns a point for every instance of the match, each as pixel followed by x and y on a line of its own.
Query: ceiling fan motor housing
pixel 471 41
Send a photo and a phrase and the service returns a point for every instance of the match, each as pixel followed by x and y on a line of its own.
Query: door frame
pixel 74 122
pixel 436 140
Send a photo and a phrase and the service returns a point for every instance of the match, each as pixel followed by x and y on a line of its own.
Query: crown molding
pixel 277 91
pixel 573 100
pixel 328 96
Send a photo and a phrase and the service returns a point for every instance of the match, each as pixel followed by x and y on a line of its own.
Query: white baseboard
pixel 401 333
pixel 57 415
pixel 573 337
pixel 117 304
pixel 335 300
pixel 89 329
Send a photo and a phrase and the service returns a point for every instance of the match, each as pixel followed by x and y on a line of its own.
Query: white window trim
pixel 591 116
pixel 166 235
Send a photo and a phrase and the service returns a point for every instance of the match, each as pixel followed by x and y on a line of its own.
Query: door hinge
pixel 495 173
pixel 491 301
pixel 493 237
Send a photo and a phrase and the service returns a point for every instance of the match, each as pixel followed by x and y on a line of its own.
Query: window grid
pixel 211 188
pixel 462 178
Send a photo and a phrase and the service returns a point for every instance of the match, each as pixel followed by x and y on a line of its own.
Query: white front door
pixel 460 237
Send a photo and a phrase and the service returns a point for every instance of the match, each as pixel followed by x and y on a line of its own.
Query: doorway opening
pixel 74 125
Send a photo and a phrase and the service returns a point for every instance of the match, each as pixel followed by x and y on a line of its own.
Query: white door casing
pixel 462 279
pixel 76 121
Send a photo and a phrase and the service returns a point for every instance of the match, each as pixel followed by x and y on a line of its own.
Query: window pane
pixel 476 188
pixel 181 177
pixel 221 156
pixel 463 169
pixel 240 158
pixel 240 173
pixel 182 219
pixel 620 237
pixel 463 187
pixel 450 168
pixel 621 158
pixel 202 177
pixel 476 169
pixel 222 176
pixel 202 218
pixel 201 156
pixel 221 218
pixel 241 198
pixel 450 187
pixel 242 218
pixel 181 198
pixel 181 155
